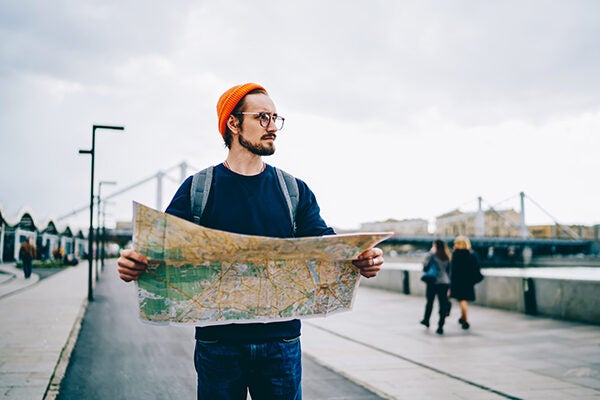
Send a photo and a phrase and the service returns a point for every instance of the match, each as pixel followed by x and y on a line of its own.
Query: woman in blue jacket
pixel 438 258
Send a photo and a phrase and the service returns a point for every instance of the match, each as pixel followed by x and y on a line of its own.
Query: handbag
pixel 478 276
pixel 448 308
pixel 430 275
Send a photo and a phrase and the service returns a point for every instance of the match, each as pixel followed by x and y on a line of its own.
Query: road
pixel 119 357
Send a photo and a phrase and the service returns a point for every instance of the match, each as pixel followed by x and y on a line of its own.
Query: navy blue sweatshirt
pixel 251 205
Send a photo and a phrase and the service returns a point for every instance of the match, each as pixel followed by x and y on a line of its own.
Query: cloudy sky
pixel 394 109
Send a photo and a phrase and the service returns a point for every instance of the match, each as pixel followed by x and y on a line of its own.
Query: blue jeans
pixel 271 370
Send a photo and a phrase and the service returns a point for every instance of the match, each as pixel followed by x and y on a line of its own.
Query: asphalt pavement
pixel 119 357
pixel 377 349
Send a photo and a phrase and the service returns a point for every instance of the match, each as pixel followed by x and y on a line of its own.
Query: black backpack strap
pixel 199 192
pixel 289 187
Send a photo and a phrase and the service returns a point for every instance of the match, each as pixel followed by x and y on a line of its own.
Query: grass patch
pixel 44 264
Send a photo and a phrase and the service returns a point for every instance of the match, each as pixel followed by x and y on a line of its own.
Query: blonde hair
pixel 462 243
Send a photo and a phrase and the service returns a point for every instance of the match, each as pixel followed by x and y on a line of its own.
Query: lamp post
pixel 98 249
pixel 92 152
pixel 103 245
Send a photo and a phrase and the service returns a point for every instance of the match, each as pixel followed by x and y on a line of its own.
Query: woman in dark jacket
pixel 438 258
pixel 465 273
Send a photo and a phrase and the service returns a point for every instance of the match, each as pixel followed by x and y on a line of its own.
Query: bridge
pixel 502 251
pixel 493 250
pixel 158 178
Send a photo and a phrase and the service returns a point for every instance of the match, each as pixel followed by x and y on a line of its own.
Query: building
pixel 47 237
pixel 405 227
pixel 497 223
pixel 507 223
pixel 565 231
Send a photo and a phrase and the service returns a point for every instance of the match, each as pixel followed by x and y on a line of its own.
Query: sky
pixel 394 109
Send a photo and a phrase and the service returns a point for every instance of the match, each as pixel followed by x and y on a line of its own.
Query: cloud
pixel 380 96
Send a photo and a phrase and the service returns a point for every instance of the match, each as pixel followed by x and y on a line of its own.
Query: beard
pixel 259 149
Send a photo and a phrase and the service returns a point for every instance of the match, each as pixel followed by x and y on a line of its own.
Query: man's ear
pixel 233 124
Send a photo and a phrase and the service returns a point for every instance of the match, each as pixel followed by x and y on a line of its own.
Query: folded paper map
pixel 205 276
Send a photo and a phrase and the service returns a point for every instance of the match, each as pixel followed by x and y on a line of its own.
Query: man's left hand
pixel 369 262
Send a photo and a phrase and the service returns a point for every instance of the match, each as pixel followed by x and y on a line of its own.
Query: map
pixel 203 276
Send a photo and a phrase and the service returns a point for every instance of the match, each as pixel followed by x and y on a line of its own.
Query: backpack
pixel 202 181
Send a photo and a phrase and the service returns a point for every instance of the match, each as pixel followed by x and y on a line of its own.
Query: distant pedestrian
pixel 58 253
pixel 465 273
pixel 439 259
pixel 44 252
pixel 26 255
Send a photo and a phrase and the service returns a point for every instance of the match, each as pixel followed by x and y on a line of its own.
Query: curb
pixel 6 276
pixel 62 364
pixel 4 292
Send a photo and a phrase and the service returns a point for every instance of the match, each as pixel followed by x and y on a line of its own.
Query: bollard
pixel 529 296
pixel 527 253
pixel 405 282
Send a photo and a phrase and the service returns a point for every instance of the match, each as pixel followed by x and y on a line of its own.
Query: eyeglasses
pixel 265 119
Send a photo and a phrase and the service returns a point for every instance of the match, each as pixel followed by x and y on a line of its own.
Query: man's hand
pixel 131 265
pixel 369 262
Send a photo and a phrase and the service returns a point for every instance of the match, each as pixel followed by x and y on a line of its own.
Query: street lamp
pixel 91 229
pixel 103 245
pixel 98 250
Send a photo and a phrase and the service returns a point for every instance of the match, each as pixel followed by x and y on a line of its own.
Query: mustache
pixel 268 135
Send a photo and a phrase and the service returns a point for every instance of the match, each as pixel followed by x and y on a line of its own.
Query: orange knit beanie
pixel 230 99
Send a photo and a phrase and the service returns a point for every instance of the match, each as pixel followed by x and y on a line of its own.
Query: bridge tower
pixel 183 167
pixel 159 189
pixel 523 232
pixel 479 219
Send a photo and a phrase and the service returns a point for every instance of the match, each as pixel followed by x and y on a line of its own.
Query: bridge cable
pixel 508 198
pixel 506 218
pixel 564 228
pixel 132 186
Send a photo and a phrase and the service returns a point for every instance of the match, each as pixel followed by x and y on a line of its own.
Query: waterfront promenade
pixel 379 345
pixel 566 293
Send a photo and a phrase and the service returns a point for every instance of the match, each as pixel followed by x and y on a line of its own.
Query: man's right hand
pixel 131 265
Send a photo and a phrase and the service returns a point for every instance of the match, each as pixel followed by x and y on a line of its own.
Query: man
pixel 245 197
pixel 27 254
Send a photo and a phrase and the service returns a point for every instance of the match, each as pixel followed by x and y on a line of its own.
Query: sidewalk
pixel 380 344
pixel 505 355
pixel 37 320
pixel 12 279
